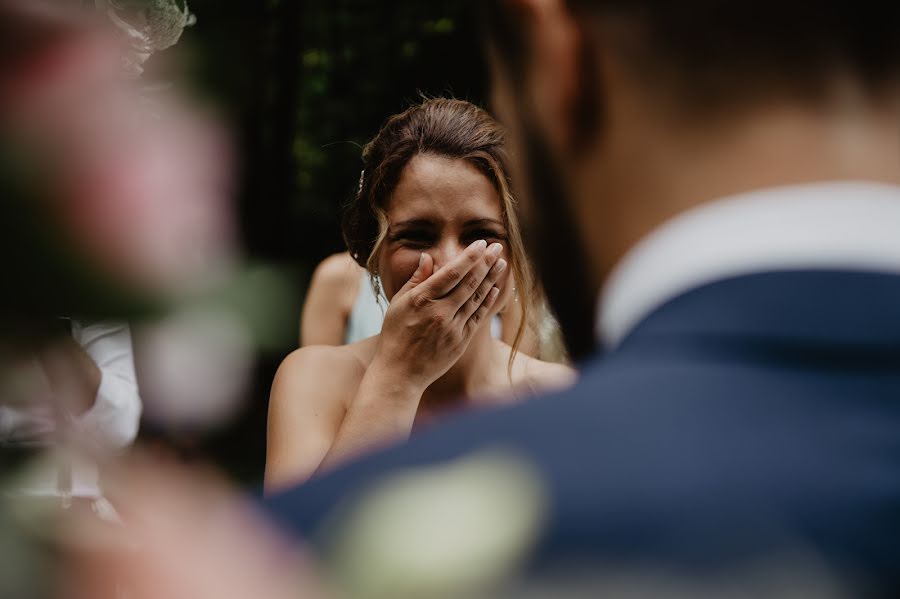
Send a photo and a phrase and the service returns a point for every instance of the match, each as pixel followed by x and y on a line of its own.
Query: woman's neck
pixel 475 370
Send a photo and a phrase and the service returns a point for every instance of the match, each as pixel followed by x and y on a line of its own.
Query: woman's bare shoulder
pixel 338 269
pixel 363 351
pixel 308 401
pixel 316 369
pixel 336 279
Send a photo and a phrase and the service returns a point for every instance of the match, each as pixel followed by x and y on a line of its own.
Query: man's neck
pixel 681 168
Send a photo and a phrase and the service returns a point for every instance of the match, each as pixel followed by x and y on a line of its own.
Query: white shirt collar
pixel 846 225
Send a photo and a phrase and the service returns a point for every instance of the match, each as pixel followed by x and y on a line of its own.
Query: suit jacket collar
pixel 838 227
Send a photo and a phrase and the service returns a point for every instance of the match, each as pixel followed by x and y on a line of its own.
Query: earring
pixel 515 295
pixel 376 284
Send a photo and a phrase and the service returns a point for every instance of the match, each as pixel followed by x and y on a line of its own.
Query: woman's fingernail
pixel 494 292
pixel 500 266
pixel 495 249
pixel 480 244
pixel 421 258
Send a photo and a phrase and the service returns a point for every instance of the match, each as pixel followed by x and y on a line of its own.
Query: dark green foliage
pixel 308 82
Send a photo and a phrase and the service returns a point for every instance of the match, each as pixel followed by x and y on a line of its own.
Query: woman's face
pixel 440 206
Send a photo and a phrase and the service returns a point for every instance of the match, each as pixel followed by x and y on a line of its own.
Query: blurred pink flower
pixel 186 535
pixel 146 194
pixel 139 182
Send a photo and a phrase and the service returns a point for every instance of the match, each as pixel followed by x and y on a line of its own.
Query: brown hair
pixel 443 127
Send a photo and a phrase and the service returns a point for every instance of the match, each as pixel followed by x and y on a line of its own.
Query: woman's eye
pixel 413 238
pixel 490 236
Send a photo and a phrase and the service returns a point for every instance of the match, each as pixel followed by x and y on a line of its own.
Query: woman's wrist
pixel 393 375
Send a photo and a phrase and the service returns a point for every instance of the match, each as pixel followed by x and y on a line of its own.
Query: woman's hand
pixel 432 318
pixel 426 329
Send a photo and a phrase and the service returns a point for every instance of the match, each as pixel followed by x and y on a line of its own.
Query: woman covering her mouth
pixel 435 222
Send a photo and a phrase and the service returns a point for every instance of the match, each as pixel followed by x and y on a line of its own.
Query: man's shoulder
pixel 610 417
pixel 663 444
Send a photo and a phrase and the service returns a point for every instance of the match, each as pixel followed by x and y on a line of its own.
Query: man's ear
pixel 555 70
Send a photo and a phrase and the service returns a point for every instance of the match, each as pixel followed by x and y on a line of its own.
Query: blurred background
pixel 299 86
pixel 304 84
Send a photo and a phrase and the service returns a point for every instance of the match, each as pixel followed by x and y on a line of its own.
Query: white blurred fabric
pixel 110 425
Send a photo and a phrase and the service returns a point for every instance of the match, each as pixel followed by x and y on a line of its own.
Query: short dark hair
pixel 718 51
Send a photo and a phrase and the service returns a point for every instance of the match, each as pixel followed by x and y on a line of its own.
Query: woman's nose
pixel 446 253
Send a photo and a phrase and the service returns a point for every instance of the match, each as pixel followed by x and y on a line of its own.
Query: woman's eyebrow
pixel 480 222
pixel 413 223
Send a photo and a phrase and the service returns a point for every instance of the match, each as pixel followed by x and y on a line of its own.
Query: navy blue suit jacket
pixel 740 417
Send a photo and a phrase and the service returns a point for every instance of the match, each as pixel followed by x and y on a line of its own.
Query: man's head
pixel 623 114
